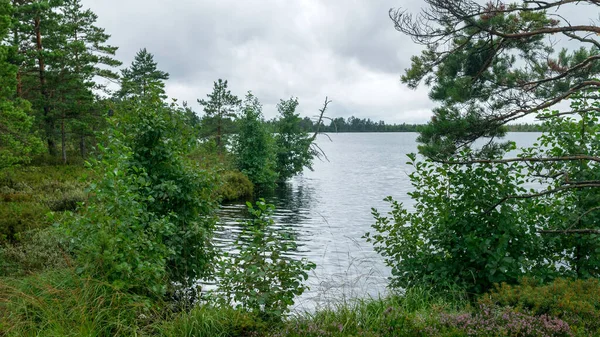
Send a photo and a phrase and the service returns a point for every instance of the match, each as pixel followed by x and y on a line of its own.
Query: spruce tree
pixel 220 108
pixel 143 77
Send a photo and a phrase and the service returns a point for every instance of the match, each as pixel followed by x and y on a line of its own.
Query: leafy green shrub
pixel 293 144
pixel 234 186
pixel 456 235
pixel 149 220
pixel 575 301
pixel 262 278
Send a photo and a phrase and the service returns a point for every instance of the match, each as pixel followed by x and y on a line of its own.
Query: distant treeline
pixel 353 124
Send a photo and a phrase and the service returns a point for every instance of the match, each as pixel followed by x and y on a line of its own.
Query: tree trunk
pixel 48 120
pixel 219 134
pixel 82 146
pixel 63 139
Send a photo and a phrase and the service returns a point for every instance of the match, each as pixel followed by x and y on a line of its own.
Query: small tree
pixel 254 148
pixel 220 109
pixel 262 278
pixel 294 151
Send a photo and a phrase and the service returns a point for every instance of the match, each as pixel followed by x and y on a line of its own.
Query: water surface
pixel 330 210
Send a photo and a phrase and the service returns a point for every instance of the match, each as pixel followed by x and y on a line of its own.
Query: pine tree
pixel 36 46
pixel 16 138
pixel 488 64
pixel 143 77
pixel 59 52
pixel 86 56
pixel 220 109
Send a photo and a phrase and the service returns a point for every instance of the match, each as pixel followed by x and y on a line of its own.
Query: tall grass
pixel 62 303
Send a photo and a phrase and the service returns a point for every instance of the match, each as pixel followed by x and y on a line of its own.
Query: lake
pixel 330 210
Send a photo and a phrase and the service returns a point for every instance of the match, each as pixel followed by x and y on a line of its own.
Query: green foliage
pixel 569 207
pixel 142 77
pixel 17 141
pixel 294 151
pixel 262 278
pixel 149 221
pixel 234 186
pixel 220 108
pixel 475 223
pixel 575 301
pixel 254 148
pixel 59 53
pixel 455 235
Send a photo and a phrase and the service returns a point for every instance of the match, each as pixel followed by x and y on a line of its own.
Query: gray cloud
pixel 347 50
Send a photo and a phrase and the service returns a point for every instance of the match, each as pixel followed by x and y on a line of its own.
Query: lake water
pixel 329 209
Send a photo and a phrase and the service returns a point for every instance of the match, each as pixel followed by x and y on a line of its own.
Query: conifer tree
pixel 35 47
pixel 220 108
pixel 142 77
pixel 59 52
pixel 86 56
pixel 17 140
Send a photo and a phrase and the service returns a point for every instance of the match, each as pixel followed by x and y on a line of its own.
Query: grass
pixel 61 303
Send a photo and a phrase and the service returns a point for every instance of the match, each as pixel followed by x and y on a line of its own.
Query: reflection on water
pixel 329 210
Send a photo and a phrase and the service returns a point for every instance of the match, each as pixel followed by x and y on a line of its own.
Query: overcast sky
pixel 347 50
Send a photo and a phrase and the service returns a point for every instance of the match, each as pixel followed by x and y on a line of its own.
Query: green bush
pixel 148 224
pixel 575 301
pixel 262 278
pixel 293 144
pixel 234 186
pixel 455 235
pixel 254 148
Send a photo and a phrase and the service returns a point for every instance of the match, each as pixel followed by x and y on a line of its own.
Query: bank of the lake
pixel 41 293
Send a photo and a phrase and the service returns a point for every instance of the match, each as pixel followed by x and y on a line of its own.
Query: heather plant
pixel 495 321
pixel 574 301
pixel 262 278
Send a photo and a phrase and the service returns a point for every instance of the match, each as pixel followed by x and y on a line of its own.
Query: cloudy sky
pixel 347 50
